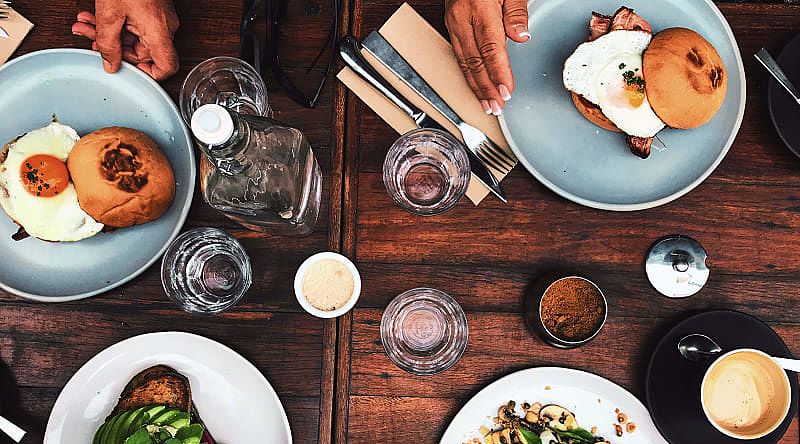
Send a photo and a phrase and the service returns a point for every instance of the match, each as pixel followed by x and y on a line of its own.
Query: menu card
pixel 432 57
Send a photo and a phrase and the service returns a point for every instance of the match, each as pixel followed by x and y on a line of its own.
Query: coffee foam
pixel 746 394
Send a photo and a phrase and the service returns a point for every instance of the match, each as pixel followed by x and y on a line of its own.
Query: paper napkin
pixel 17 28
pixel 432 57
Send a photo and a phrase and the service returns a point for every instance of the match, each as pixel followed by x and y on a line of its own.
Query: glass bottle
pixel 260 173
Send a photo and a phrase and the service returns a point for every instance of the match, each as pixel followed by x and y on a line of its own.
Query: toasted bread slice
pixel 159 385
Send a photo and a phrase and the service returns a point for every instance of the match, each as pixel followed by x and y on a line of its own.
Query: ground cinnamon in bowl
pixel 573 309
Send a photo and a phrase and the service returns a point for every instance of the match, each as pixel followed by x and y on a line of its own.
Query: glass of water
pixel 205 271
pixel 225 81
pixel 426 171
pixel 424 331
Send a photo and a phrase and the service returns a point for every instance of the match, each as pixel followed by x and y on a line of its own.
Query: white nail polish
pixel 527 35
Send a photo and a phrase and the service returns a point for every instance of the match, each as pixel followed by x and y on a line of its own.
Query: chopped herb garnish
pixel 39 188
pixel 632 79
pixel 621 66
pixel 31 176
pixel 46 186
pixel 27 164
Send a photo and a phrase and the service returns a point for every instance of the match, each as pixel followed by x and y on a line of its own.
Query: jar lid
pixel 676 266
pixel 212 124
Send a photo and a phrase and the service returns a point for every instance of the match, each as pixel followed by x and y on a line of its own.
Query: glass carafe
pixel 261 173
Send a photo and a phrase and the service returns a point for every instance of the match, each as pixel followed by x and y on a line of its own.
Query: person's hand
pixel 137 31
pixel 478 30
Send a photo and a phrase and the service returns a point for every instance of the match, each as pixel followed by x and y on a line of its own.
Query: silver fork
pixel 475 139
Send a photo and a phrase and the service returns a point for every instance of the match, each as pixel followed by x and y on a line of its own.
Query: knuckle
pixel 473 65
pixel 517 12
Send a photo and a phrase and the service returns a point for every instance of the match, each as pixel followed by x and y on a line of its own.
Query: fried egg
pixel 608 73
pixel 35 188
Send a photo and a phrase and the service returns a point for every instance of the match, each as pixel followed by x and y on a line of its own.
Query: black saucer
pixel 784 110
pixel 673 383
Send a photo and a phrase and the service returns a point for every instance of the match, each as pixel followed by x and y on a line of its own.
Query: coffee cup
pixel 745 394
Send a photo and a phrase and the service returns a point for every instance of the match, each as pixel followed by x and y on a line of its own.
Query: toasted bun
pixel 121 177
pixel 593 113
pixel 686 79
pixel 159 385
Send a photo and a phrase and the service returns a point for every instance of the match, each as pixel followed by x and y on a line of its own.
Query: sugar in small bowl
pixel 327 285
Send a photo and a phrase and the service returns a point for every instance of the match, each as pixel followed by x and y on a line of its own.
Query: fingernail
pixel 522 31
pixel 504 92
pixel 496 110
pixel 486 108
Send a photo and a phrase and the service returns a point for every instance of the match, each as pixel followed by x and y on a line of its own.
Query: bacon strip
pixel 599 25
pixel 626 19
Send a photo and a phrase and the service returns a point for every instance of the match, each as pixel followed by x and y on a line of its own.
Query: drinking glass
pixel 225 81
pixel 205 271
pixel 424 331
pixel 426 171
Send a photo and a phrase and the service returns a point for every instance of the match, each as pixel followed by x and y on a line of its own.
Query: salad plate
pixel 236 401
pixel 592 399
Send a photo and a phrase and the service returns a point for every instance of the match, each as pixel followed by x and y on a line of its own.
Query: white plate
pixel 232 397
pixel 591 398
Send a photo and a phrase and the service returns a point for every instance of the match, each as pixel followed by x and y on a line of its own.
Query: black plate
pixel 784 110
pixel 673 383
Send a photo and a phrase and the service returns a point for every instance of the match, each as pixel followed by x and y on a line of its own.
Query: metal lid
pixel 676 266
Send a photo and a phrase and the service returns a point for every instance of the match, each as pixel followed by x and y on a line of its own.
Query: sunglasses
pixel 251 50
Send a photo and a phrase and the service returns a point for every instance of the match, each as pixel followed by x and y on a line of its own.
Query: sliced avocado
pixel 155 410
pixel 140 421
pixel 126 428
pixel 115 434
pixel 98 433
pixel 180 421
pixel 191 431
pixel 165 417
pixel 107 432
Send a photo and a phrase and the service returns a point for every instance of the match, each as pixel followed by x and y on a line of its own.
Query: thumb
pixel 515 19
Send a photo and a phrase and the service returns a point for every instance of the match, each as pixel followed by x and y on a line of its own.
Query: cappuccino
pixel 745 394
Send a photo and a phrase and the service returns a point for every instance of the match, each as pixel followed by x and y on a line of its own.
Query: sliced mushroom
pixel 548 437
pixel 558 417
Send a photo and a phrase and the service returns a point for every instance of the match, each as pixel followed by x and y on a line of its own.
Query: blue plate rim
pixel 664 200
pixel 184 211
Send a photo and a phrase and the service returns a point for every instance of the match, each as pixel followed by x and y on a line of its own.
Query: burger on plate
pixel 627 80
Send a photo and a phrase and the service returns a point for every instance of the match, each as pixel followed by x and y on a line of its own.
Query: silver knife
pixel 4 34
pixel 772 66
pixel 350 51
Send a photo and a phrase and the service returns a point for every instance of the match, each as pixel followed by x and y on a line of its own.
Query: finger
pixel 473 85
pixel 165 57
pixel 474 63
pixel 87 17
pixel 130 55
pixel 491 40
pixel 85 30
pixel 109 42
pixel 515 20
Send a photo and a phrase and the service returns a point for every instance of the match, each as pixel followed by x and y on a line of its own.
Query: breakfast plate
pixel 235 400
pixel 591 166
pixel 594 401
pixel 70 84
pixel 673 383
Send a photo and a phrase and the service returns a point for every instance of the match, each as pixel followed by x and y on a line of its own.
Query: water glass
pixel 225 81
pixel 426 171
pixel 205 271
pixel 424 331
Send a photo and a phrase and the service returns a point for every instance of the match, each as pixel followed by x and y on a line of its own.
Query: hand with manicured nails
pixel 478 31
pixel 137 31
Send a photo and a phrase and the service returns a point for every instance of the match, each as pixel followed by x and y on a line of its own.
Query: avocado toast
pixel 155 407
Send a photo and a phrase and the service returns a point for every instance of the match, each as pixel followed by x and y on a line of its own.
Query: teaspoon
pixel 697 348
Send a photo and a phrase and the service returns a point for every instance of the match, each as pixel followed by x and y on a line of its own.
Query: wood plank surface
pixel 491 256
pixel 41 346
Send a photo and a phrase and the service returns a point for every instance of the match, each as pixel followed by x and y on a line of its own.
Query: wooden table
pixel 332 376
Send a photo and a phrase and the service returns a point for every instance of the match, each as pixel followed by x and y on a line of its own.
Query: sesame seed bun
pixel 121 177
pixel 686 78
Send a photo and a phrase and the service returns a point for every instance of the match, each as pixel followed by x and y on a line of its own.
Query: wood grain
pixel 491 256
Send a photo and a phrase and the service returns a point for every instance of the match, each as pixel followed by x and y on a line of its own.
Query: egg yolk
pixel 44 175
pixel 634 95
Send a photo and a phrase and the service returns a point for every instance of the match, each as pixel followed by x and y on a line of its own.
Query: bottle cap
pixel 676 266
pixel 212 124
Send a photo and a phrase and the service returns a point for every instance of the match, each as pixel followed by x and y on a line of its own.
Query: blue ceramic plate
pixel 72 85
pixel 594 167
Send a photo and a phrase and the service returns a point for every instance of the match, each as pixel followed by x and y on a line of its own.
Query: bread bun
pixel 593 113
pixel 121 177
pixel 686 78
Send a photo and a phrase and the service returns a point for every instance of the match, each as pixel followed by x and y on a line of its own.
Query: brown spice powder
pixel 572 309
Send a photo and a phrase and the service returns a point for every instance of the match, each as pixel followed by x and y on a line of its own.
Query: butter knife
pixel 350 51
pixel 764 57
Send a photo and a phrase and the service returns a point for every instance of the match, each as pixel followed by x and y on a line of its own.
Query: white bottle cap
pixel 212 124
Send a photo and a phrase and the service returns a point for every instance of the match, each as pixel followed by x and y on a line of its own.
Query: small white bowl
pixel 298 285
